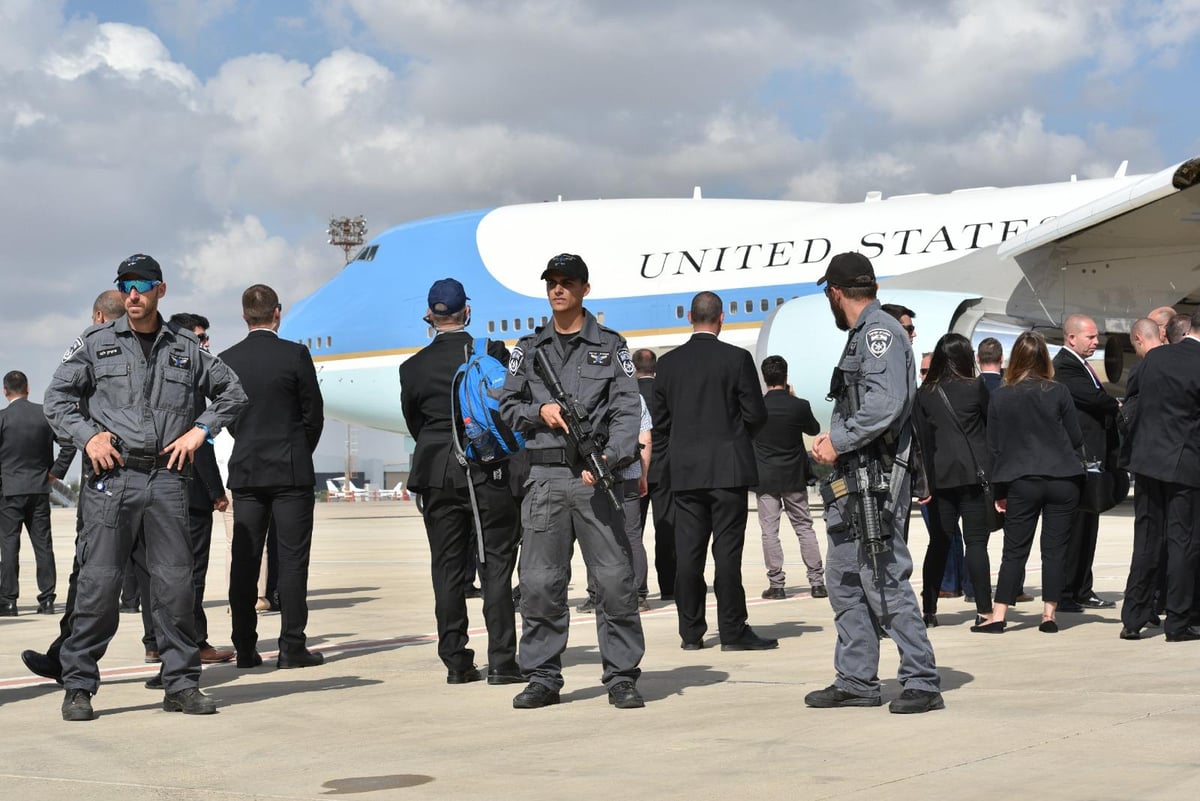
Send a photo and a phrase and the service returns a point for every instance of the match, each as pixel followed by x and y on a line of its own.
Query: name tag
pixel 104 353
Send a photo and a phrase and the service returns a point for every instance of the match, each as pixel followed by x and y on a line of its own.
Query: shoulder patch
pixel 76 345
pixel 626 361
pixel 515 359
pixel 878 341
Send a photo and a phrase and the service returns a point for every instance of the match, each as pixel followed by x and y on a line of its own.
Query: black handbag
pixel 994 517
pixel 1098 492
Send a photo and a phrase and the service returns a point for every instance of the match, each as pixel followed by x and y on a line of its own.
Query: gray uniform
pixel 146 406
pixel 559 508
pixel 878 359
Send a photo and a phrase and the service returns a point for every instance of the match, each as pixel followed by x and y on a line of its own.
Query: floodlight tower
pixel 347 233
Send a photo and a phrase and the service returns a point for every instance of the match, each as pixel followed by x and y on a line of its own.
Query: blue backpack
pixel 475 399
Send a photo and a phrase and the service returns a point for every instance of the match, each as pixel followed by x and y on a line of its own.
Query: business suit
pixel 26 460
pixel 1097 421
pixel 991 381
pixel 271 475
pixel 782 464
pixel 1165 457
pixel 659 503
pixel 425 386
pixel 707 400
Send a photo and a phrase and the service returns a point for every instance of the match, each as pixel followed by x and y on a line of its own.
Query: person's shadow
pixel 657 685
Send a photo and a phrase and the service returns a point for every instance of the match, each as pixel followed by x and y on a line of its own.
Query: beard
pixel 839 316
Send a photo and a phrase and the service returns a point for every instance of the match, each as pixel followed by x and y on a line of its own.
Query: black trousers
pixel 719 514
pixel 945 510
pixel 32 511
pixel 1054 501
pixel 660 503
pixel 450 529
pixel 253 509
pixel 1164 512
pixel 1081 551
pixel 200 534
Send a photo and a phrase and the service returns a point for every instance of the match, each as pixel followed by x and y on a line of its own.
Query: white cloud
pixel 243 252
pixel 133 53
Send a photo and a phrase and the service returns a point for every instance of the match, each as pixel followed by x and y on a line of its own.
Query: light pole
pixel 347 233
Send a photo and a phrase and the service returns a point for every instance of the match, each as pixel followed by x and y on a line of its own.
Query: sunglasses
pixel 142 285
pixel 909 328
pixel 202 337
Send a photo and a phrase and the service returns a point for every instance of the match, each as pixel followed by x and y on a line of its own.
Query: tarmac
pixel 1076 715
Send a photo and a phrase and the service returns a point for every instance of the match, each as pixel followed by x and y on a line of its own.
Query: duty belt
pixel 551 456
pixel 148 463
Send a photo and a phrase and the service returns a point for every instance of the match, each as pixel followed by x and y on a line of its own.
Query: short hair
pixel 258 304
pixel 16 383
pixel 897 310
pixel 774 371
pixel 953 360
pixel 1144 328
pixel 109 305
pixel 1029 360
pixel 859 292
pixel 1180 326
pixel 644 361
pixel 990 351
pixel 453 318
pixel 706 308
pixel 189 321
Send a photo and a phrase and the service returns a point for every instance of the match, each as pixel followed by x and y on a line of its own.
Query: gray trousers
pixel 133 507
pixel 796 506
pixel 633 532
pixel 558 510
pixel 864 602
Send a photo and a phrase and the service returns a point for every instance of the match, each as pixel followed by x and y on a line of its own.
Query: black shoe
pixel 995 627
pixel 155 683
pixel 1048 627
pixel 152 657
pixel 624 695
pixel 1155 621
pixel 1096 602
pixel 912 702
pixel 474 592
pixel 46 608
pixel 77 705
pixel 587 607
pixel 1069 606
pixel 666 596
pixel 250 660
pixel 1023 598
pixel 969 599
pixel 42 665
pixel 819 591
pixel 190 702
pixel 535 696
pixel 692 646
pixel 463 676
pixel 749 641
pixel 931 621
pixel 300 659
pixel 774 594
pixel 1186 635
pixel 834 696
pixel 10 610
pixel 1127 634
pixel 512 676
pixel 130 609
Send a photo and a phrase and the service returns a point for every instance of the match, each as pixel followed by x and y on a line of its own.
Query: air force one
pixel 981 262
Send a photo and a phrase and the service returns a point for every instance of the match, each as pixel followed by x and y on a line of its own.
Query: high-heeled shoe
pixel 995 627
pixel 1048 627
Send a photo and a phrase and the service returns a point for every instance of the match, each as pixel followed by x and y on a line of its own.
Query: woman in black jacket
pixel 1037 470
pixel 950 416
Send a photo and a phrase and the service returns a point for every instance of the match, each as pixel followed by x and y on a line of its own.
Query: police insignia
pixel 515 359
pixel 76 345
pixel 878 341
pixel 599 357
pixel 626 361
pixel 180 360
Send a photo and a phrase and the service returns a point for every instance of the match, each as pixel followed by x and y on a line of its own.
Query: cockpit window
pixel 367 253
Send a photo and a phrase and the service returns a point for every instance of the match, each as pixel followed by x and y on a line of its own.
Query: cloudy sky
pixel 219 136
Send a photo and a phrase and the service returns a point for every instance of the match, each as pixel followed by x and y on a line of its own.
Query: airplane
pixel 982 262
pixel 340 489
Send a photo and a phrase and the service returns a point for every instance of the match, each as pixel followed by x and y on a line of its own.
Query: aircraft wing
pixel 1115 258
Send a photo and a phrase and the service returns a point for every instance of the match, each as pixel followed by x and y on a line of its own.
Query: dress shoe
pixel 463 676
pixel 152 657
pixel 130 609
pixel 535 696
pixel 1048 627
pixel 77 705
pixel 913 702
pixel 819 591
pixel 666 596
pixel 1067 605
pixel 1096 602
pixel 692 646
pixel 155 682
pixel 1186 635
pixel 215 656
pixel 587 607
pixel 749 641
pixel 949 594
pixel 931 621
pixel 774 594
pixel 970 599
pixel 643 605
pixel 995 627
pixel 250 660
pixel 1127 634
pixel 46 608
pixel 10 610
pixel 512 676
pixel 834 696
pixel 1023 598
pixel 42 665
pixel 299 659
pixel 624 695
pixel 474 592
pixel 190 702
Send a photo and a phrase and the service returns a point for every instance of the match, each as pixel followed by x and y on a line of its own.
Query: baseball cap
pixel 141 266
pixel 849 269
pixel 447 296
pixel 567 264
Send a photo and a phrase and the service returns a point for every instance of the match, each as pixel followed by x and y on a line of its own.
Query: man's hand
pixel 1001 505
pixel 221 504
pixel 823 452
pixel 552 416
pixel 643 486
pixel 183 450
pixel 586 475
pixel 925 500
pixel 102 453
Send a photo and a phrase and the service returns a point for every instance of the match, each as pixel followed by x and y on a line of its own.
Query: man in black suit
pixel 990 355
pixel 1165 458
pixel 271 476
pixel 658 500
pixel 783 479
pixel 1098 421
pixel 27 468
pixel 441 480
pixel 707 400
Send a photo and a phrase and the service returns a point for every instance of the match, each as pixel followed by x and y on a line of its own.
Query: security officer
pixel 563 503
pixel 872 390
pixel 138 378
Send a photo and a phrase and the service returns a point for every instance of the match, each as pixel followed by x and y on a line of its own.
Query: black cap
pixel 569 265
pixel 140 265
pixel 847 270
pixel 447 296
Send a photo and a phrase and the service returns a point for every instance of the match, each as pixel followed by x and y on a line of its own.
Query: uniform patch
pixel 179 360
pixel 76 345
pixel 626 362
pixel 104 353
pixel 515 359
pixel 878 341
pixel 599 357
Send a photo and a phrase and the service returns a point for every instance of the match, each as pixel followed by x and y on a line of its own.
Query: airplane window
pixel 517 324
pixel 749 306
pixel 778 301
pixel 429 332
pixel 545 319
pixel 504 325
pixel 532 324
pixel 600 317
pixel 491 326
pixel 733 307
pixel 310 343
pixel 765 304
pixel 329 341
pixel 679 312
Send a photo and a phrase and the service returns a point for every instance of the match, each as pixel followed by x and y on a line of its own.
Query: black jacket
pixel 27 450
pixel 1033 430
pixel 1166 430
pixel 1097 409
pixel 948 459
pixel 658 447
pixel 779 448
